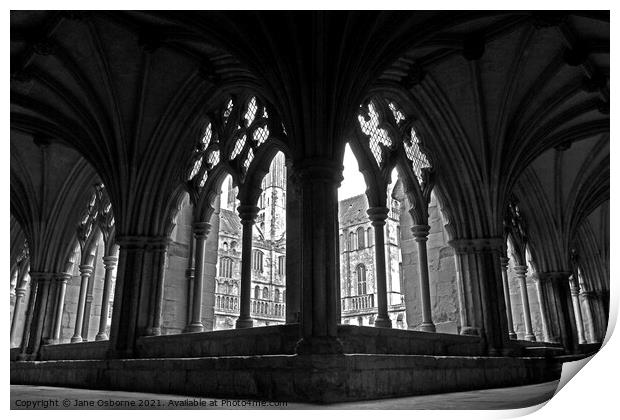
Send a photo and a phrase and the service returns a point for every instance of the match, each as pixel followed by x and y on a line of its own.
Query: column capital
pixel 503 261
pixel 86 270
pixel 318 170
pixel 466 246
pixel 552 276
pixel 378 215
pixel 41 277
pixel 520 270
pixel 201 229
pixel 248 213
pixel 63 277
pixel 142 242
pixel 420 232
pixel 110 261
pixel 587 294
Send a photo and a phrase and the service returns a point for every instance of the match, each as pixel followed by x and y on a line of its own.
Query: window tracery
pixel 384 125
pixel 232 135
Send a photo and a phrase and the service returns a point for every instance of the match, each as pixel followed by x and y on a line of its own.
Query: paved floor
pixel 44 397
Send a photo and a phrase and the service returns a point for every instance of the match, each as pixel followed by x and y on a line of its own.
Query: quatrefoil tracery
pixel 384 124
pixel 234 136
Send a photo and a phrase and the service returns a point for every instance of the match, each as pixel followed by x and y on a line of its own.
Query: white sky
pixel 353 183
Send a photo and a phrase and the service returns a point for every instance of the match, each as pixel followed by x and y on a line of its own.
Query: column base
pixel 48 341
pixel 427 327
pixel 319 345
pixel 101 337
pixel 530 337
pixel 153 331
pixel 383 322
pixel 76 339
pixel 512 335
pixel 195 327
pixel 244 323
pixel 469 331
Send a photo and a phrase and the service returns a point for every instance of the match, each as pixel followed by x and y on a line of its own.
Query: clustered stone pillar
pixel 544 309
pixel 420 234
pixel 20 294
pixel 482 308
pixel 574 292
pixel 61 284
pixel 39 294
pixel 587 307
pixel 293 248
pixel 511 329
pixel 247 214
pixel 520 274
pixel 109 263
pixel 138 266
pixel 377 216
pixel 557 299
pixel 320 290
pixel 201 230
pixel 85 273
pixel 159 253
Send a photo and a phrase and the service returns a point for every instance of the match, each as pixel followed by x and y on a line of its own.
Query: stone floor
pixel 44 397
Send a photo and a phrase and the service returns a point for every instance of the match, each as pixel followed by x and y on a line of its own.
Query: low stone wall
pixel 91 350
pixel 323 379
pixel 277 339
pixel 370 340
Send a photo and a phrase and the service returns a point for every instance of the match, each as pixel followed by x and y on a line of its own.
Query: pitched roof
pixel 229 222
pixel 353 210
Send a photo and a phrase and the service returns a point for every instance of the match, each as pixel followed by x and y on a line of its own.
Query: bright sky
pixel 353 183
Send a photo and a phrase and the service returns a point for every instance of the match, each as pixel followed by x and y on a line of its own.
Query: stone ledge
pixel 292 378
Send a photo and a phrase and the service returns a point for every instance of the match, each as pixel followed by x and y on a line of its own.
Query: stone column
pixel 85 273
pixel 109 263
pixel 377 216
pixel 63 278
pixel 479 279
pixel 544 310
pixel 20 294
pixel 319 182
pixel 247 214
pixel 133 312
pixel 159 252
pixel 201 230
pixel 420 234
pixel 587 307
pixel 511 329
pixel 520 273
pixel 293 248
pixel 40 283
pixel 189 278
pixel 559 302
pixel 574 292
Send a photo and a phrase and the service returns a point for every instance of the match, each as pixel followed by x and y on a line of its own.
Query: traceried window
pixel 265 293
pixel 370 125
pixel 226 267
pixel 256 292
pixel 257 260
pixel 370 236
pixel 276 296
pixel 361 279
